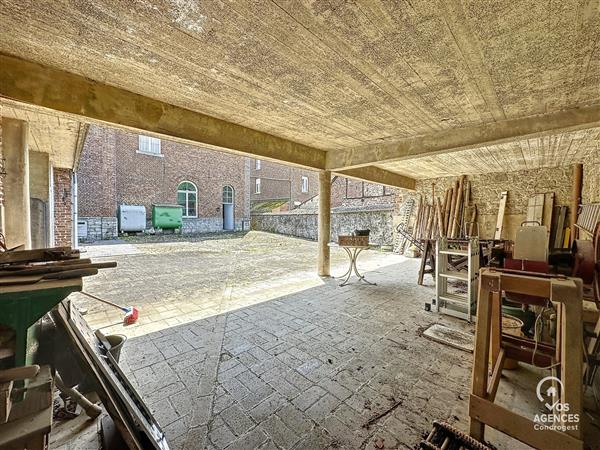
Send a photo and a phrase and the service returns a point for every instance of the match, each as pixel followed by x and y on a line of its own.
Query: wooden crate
pixel 353 241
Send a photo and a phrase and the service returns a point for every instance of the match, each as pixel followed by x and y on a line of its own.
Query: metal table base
pixel 353 253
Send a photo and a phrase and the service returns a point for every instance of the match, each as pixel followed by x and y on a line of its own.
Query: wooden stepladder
pixel 566 296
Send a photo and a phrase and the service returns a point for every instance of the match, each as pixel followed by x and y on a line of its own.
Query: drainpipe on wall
pixel 51 224
pixel 74 236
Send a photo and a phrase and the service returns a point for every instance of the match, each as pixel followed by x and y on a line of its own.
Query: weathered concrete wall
pixel 521 185
pixel 304 224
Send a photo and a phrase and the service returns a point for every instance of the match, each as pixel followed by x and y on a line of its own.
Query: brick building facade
pixel 119 167
pixel 280 187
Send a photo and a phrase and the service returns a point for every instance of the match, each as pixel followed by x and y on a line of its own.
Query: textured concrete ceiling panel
pixel 328 74
pixel 534 153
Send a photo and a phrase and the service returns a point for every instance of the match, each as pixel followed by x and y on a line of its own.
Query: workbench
pixel 23 305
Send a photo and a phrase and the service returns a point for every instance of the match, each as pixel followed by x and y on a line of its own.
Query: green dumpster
pixel 167 216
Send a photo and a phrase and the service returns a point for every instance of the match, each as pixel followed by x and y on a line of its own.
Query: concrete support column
pixel 17 215
pixel 324 222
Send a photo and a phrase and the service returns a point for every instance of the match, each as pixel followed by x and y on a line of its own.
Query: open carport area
pixel 259 352
pixel 476 124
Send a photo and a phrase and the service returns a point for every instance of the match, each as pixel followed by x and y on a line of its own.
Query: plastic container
pixel 132 218
pixel 167 216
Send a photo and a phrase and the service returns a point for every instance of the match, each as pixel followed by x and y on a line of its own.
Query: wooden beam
pixel 456 139
pixel 381 176
pixel 519 427
pixel 32 83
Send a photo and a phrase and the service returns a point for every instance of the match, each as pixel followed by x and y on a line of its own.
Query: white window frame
pixel 228 186
pixel 187 196
pixel 304 184
pixel 148 145
pixel 257 186
pixel 257 164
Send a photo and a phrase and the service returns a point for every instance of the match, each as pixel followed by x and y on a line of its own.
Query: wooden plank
pixel 45 284
pixel 42 254
pixel 569 293
pixel 500 219
pixel 32 279
pixel 548 212
pixel 48 269
pixel 496 375
pixel 488 283
pixel 535 209
pixel 519 427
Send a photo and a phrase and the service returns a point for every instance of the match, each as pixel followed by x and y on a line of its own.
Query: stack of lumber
pixel 28 267
pixel 454 216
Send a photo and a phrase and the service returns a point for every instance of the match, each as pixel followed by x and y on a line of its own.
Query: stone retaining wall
pixel 99 228
pixel 304 224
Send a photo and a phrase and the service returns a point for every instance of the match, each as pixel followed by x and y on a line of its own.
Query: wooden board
pixel 535 209
pixel 548 212
pixel 500 219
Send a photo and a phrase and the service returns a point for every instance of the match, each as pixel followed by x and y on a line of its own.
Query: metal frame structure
pixel 454 304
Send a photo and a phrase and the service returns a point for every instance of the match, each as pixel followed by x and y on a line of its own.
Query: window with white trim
pixel 257 186
pixel 227 195
pixel 257 166
pixel 304 184
pixel 187 197
pixel 148 144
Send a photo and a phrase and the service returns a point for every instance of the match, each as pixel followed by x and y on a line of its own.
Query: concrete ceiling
pixel 526 154
pixel 334 75
pixel 48 133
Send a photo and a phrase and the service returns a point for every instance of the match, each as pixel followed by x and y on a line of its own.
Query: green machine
pixel 167 216
pixel 20 309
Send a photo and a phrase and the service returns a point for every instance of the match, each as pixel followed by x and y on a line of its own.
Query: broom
pixel 131 312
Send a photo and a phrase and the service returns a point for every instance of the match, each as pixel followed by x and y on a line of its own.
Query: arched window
pixel 227 195
pixel 187 197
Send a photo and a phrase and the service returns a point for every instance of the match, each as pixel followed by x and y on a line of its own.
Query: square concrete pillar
pixel 17 220
pixel 39 191
pixel 324 263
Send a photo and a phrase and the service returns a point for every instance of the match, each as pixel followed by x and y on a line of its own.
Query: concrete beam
pixel 66 92
pixel 377 175
pixel 465 138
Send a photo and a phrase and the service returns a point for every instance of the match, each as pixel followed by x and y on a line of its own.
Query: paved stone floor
pixel 240 345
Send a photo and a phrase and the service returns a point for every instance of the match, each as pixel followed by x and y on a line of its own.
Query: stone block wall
pixel 591 183
pixel 209 225
pixel 63 207
pixel 99 228
pixel 304 224
pixel 521 185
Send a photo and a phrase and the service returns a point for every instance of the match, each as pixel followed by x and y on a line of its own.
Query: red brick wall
pixel 96 175
pixel 112 164
pixel 280 181
pixel 354 193
pixel 63 213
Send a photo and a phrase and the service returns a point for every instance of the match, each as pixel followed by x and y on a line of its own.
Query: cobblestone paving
pixel 240 346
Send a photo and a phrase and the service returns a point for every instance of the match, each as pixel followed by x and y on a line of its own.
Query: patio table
pixel 352 251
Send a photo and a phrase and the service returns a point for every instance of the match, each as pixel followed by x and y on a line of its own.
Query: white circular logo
pixel 551 392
